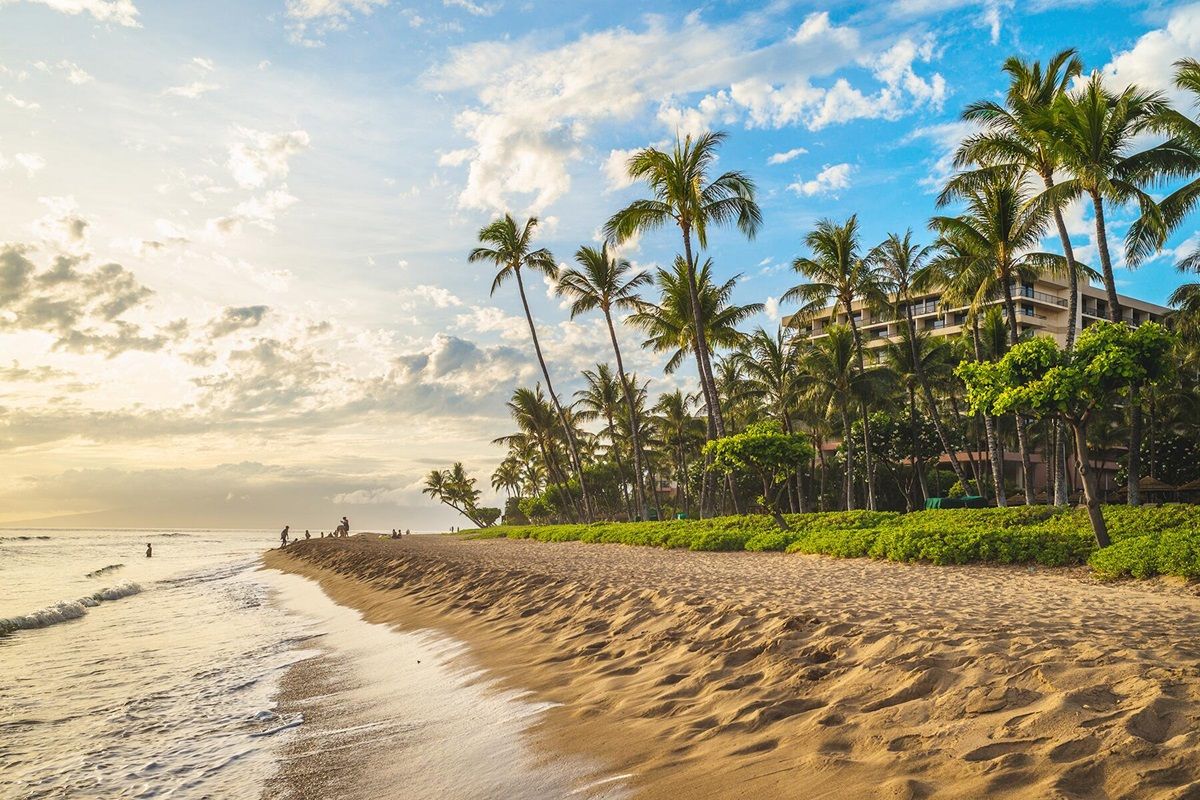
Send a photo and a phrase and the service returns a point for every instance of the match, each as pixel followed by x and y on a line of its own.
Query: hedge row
pixel 1147 541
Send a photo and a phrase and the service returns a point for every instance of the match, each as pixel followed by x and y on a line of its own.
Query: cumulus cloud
pixel 256 157
pixel 80 306
pixel 945 138
pixel 829 180
pixel 122 12
pixel 990 13
pixel 426 295
pixel 786 156
pixel 235 319
pixel 62 227
pixel 1149 63
pixel 536 107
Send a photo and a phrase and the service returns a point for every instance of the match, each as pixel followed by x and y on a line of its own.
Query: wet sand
pixel 730 675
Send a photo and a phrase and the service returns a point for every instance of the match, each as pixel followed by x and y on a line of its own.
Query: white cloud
pixel 26 105
pixel 259 211
pixel 536 108
pixel 68 69
pixel 771 308
pixel 946 137
pixel 122 12
pixel 192 90
pixel 477 9
pixel 615 170
pixel 1149 63
pixel 259 157
pixel 62 227
pixel 205 64
pixel 324 16
pixel 426 295
pixel 786 156
pixel 32 162
pixel 991 12
pixel 828 181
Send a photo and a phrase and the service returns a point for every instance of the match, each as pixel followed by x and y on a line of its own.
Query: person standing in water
pixel 283 536
pixel 149 550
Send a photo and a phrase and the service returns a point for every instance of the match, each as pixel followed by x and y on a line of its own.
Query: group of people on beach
pixel 396 533
pixel 342 529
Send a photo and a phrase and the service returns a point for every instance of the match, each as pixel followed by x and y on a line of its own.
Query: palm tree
pixel 837 270
pixel 508 476
pixel 670 327
pixel 1020 135
pixel 997 233
pixel 901 264
pixel 605 282
pixel 1095 139
pixel 536 422
pixel 681 431
pixel 840 385
pixel 511 249
pixel 773 376
pixel 683 194
pixel 602 397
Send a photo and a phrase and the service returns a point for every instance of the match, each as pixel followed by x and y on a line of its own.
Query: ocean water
pixel 123 676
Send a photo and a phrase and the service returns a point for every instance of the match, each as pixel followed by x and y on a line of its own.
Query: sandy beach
pixel 729 675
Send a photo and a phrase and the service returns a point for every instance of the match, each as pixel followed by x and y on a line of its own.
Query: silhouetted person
pixel 283 536
pixel 307 535
pixel 149 551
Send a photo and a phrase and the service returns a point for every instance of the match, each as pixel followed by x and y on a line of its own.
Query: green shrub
pixel 1148 540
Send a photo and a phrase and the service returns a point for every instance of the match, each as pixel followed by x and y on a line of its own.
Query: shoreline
pixel 743 674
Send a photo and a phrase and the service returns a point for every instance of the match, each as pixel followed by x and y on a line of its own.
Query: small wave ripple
pixel 96 573
pixel 66 610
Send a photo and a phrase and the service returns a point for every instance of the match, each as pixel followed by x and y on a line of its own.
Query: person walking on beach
pixel 307 535
pixel 149 551
pixel 283 536
pixel 345 526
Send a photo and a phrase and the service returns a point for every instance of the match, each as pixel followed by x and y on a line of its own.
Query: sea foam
pixel 66 610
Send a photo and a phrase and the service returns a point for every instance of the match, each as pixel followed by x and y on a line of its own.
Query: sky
pixel 233 234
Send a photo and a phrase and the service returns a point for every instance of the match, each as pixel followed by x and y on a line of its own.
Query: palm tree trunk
pixel 1022 429
pixel 639 486
pixel 702 354
pixel 823 480
pixel 938 425
pixel 1061 479
pixel 562 417
pixel 916 441
pixel 867 465
pixel 848 440
pixel 1110 282
pixel 617 461
pixel 1133 491
pixel 989 425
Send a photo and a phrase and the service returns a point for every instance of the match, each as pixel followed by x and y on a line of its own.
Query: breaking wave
pixel 66 610
pixel 103 570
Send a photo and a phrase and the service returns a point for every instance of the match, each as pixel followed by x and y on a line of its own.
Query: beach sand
pixel 762 675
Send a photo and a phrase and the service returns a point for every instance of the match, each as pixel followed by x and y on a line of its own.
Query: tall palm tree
pixel 608 283
pixel 508 477
pixel 509 247
pixel 670 328
pixel 997 232
pixel 902 266
pixel 1096 136
pixel 683 194
pixel 1097 146
pixel 838 270
pixel 1021 134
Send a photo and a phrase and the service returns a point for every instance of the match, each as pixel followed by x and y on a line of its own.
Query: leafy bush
pixel 1148 540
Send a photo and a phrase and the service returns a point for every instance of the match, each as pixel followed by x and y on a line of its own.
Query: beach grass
pixel 1147 540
